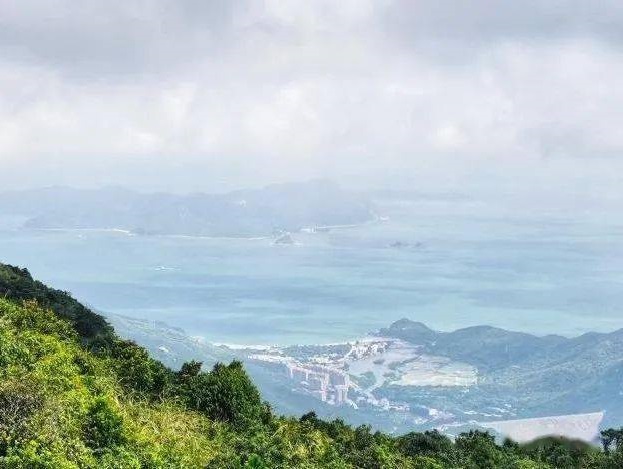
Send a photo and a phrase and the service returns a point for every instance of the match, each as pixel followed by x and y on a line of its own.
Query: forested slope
pixel 73 396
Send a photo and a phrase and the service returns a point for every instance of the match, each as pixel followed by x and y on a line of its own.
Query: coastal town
pixel 353 373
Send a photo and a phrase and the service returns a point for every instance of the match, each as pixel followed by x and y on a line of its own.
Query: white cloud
pixel 280 90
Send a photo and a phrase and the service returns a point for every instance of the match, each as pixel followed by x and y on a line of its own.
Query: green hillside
pixel 548 375
pixel 18 284
pixel 74 395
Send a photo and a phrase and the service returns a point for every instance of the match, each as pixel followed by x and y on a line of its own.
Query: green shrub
pixel 138 372
pixel 103 426
pixel 226 394
pixel 18 401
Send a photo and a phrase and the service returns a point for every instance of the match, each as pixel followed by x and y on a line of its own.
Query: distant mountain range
pixel 519 375
pixel 243 213
pixel 547 375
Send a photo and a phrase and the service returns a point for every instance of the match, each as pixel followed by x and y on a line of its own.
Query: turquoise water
pixel 534 273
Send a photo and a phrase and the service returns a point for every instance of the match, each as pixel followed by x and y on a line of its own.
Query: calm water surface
pixel 456 268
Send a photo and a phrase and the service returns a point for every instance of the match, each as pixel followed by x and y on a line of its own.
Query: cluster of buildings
pixel 327 384
pixel 367 348
pixel 330 385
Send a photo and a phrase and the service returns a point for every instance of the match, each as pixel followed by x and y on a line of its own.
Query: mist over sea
pixel 449 264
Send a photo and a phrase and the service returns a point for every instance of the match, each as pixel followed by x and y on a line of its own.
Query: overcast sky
pixel 204 95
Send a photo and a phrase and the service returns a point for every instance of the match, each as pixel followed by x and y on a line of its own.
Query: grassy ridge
pixel 18 284
pixel 66 403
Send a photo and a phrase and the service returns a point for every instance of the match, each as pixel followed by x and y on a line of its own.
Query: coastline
pixel 317 229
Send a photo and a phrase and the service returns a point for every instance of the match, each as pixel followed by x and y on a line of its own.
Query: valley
pixel 396 384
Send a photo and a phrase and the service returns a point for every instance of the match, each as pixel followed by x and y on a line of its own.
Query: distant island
pixel 268 211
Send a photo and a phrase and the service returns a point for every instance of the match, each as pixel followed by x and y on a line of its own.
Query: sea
pixel 447 263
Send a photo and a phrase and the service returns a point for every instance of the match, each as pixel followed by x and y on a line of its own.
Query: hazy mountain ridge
pixel 548 375
pixel 502 347
pixel 254 212
pixel 558 376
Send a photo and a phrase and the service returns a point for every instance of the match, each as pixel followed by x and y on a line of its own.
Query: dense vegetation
pixel 536 375
pixel 18 284
pixel 75 396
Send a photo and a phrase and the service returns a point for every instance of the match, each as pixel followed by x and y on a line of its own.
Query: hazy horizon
pixel 194 96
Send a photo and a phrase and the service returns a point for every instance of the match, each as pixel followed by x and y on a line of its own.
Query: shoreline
pixel 317 229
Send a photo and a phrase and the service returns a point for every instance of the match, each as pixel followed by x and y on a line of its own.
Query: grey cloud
pixel 479 21
pixel 103 92
pixel 94 37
